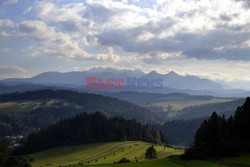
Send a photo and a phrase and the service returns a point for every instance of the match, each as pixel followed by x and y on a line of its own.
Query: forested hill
pixel 89 103
pixel 89 128
pixel 219 136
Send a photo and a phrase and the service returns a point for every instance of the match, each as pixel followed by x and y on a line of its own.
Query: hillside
pixel 241 161
pixel 221 137
pixel 104 153
pixel 175 101
pixel 180 132
pixel 192 112
pixel 73 155
pixel 24 112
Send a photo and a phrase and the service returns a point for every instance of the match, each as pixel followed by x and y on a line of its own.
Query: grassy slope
pixel 112 151
pixel 72 155
pixel 179 104
pixel 168 162
pixel 242 161
pixel 20 108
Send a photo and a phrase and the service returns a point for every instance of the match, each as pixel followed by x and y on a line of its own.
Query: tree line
pixel 88 128
pixel 220 137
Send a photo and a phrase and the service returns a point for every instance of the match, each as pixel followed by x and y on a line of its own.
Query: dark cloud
pixel 225 17
pixel 217 44
pixel 246 3
pixel 98 13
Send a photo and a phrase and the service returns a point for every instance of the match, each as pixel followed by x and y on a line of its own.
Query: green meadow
pixel 105 154
pixel 100 153
pixel 20 108
pixel 179 104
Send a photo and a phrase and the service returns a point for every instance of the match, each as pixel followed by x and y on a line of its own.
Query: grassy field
pixel 96 154
pixel 178 104
pixel 105 154
pixel 20 108
pixel 165 162
pixel 182 103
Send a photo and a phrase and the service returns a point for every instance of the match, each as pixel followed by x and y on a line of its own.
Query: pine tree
pixel 150 153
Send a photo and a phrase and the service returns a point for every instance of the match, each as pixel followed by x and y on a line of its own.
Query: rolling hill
pixel 25 112
pixel 99 153
pixel 108 153
pixel 177 101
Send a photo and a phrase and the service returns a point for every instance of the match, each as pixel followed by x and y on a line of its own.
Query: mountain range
pixel 172 82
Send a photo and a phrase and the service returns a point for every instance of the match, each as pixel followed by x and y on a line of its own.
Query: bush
pixel 150 153
pixel 124 160
pixel 190 153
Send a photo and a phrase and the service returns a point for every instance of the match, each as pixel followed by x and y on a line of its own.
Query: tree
pixel 150 153
pixel 5 148
pixel 6 160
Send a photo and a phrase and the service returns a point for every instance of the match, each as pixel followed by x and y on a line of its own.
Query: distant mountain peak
pixel 173 73
pixel 171 79
pixel 153 72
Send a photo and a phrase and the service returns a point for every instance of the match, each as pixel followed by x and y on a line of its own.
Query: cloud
pixel 166 30
pixel 51 43
pixel 12 72
pixel 68 17
pixel 7 23
pixel 195 29
pixel 245 2
pixel 4 34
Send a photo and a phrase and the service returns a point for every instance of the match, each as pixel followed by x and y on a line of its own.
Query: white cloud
pixel 4 34
pixel 7 23
pixel 185 26
pixel 12 72
pixel 51 43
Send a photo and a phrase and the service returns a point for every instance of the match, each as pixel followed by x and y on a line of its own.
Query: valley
pixel 124 83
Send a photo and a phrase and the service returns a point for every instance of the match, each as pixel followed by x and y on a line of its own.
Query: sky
pixel 206 38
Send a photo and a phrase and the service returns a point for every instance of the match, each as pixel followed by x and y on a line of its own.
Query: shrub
pixel 124 160
pixel 150 153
